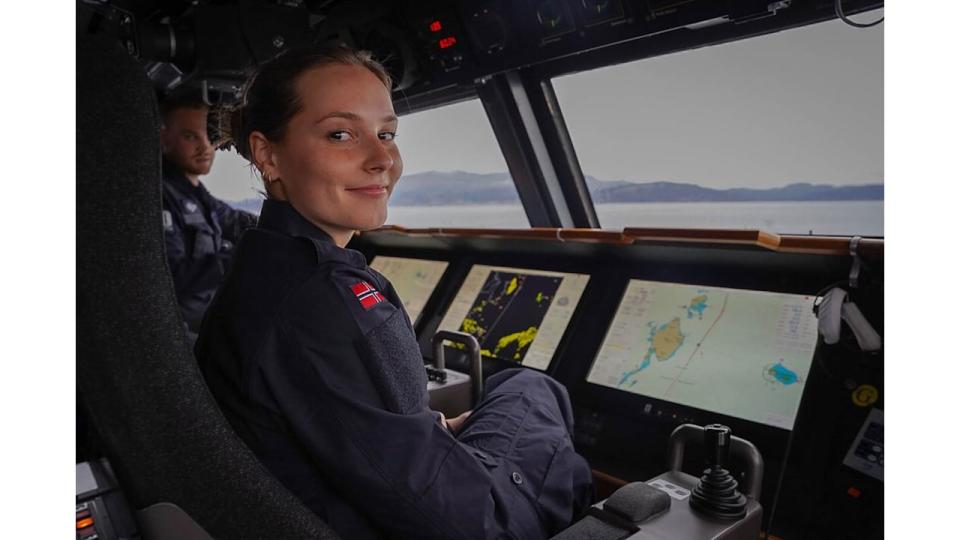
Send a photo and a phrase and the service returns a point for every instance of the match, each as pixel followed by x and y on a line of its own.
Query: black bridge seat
pixel 160 427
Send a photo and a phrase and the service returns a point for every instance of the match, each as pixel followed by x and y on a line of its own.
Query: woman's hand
pixel 454 424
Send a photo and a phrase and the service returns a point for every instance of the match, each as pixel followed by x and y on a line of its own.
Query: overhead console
pixel 459 43
pixel 436 51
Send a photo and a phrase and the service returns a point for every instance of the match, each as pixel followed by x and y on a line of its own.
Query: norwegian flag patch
pixel 366 294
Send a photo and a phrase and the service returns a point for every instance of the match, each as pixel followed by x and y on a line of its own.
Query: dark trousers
pixel 524 425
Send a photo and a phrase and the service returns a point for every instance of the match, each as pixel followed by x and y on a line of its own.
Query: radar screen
pixel 736 352
pixel 517 315
pixel 413 279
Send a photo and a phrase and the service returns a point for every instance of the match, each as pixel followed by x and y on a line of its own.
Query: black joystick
pixel 716 495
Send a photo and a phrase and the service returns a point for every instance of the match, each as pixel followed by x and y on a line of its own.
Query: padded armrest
pixel 637 501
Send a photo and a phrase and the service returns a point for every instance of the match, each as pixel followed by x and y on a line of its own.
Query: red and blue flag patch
pixel 366 294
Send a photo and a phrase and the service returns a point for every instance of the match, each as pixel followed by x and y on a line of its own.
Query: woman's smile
pixel 373 190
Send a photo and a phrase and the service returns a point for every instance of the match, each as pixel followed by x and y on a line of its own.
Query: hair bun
pixel 225 123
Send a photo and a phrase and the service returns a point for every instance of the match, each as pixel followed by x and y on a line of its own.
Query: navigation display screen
pixel 516 314
pixel 414 280
pixel 740 353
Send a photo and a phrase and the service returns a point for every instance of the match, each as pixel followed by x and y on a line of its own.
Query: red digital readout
pixel 435 26
pixel 448 42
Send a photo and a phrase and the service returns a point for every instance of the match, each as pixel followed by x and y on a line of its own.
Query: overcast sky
pixel 803 105
pixel 798 105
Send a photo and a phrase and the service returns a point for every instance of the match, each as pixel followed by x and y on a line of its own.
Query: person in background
pixel 200 231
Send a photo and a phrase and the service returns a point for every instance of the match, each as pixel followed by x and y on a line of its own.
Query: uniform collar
pixel 282 217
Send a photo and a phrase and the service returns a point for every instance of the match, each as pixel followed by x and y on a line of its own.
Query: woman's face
pixel 337 163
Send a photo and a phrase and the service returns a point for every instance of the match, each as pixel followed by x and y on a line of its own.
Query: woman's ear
pixel 263 155
pixel 265 158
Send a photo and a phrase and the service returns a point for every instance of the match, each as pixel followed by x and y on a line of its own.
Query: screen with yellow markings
pixel 516 314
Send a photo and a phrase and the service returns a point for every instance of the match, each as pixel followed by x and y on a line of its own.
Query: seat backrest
pixel 159 426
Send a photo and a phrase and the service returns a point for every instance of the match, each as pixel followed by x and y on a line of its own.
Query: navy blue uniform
pixel 313 360
pixel 201 232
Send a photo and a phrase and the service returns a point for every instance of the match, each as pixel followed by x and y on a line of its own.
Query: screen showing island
pixel 516 314
pixel 413 279
pixel 736 352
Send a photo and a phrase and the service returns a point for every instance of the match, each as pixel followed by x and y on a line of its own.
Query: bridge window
pixel 454 174
pixel 782 133
pixel 234 182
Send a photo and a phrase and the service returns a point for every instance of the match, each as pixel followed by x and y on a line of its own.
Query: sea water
pixel 864 218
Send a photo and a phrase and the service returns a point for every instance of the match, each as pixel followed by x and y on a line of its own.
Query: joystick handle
pixel 744 451
pixel 717 495
pixel 716 440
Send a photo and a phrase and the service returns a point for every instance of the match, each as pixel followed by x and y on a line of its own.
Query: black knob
pixel 716 439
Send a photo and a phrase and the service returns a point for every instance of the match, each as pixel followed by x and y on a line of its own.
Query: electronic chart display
pixel 516 314
pixel 736 352
pixel 413 279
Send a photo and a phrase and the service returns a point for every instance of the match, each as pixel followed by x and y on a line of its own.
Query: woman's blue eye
pixel 388 136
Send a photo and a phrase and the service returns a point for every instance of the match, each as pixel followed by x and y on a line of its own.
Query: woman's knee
pixel 537 386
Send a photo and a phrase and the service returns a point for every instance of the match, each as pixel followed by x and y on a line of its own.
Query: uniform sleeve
pixel 232 221
pixel 380 446
pixel 190 274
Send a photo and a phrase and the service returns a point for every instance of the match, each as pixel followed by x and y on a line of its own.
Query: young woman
pixel 312 357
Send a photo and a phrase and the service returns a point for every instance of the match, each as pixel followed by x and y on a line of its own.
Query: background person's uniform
pixel 315 364
pixel 200 232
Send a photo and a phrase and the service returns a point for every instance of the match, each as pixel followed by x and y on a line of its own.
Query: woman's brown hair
pixel 270 99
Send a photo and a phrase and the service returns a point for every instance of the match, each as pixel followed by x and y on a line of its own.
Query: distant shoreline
pixel 604 203
pixel 461 188
pixel 246 203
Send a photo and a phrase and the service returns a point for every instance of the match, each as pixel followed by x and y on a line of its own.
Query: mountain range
pixel 435 188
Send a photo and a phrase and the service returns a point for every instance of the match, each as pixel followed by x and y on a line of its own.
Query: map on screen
pixel 516 314
pixel 414 280
pixel 740 353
